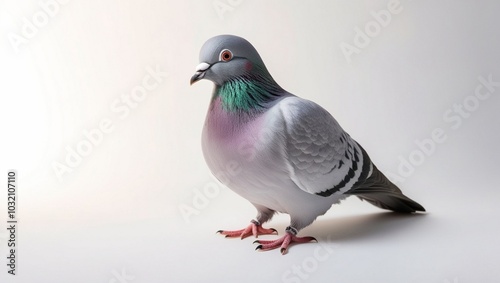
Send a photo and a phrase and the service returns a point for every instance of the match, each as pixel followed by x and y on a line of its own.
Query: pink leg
pixel 283 242
pixel 254 229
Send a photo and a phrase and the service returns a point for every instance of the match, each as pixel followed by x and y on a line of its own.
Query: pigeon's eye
pixel 225 55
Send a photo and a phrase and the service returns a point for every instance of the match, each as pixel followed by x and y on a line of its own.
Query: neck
pixel 248 93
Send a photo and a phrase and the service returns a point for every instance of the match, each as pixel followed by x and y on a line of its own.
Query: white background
pixel 119 210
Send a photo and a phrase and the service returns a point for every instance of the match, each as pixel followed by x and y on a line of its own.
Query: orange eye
pixel 225 55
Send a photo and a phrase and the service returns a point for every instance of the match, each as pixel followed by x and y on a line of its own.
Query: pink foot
pixel 283 242
pixel 253 229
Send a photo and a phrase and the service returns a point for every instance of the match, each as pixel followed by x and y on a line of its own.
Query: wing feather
pixel 323 159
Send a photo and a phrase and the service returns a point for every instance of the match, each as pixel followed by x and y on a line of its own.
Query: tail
pixel 381 192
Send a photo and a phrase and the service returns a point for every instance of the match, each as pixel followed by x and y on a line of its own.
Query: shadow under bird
pixel 293 157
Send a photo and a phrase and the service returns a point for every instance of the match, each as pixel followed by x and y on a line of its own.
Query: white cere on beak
pixel 202 67
pixel 200 72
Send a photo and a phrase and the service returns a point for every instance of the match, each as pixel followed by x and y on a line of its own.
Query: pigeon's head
pixel 227 57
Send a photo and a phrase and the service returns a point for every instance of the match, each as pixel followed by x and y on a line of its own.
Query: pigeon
pixel 283 153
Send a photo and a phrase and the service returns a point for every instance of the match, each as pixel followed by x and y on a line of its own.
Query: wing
pixel 322 158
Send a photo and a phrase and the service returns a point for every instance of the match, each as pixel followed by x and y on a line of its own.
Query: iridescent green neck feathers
pixel 247 93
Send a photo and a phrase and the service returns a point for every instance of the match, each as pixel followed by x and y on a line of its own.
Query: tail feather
pixel 397 204
pixel 381 192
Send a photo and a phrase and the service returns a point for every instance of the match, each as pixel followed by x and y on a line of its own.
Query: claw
pixel 258 247
pixel 282 243
pixel 253 229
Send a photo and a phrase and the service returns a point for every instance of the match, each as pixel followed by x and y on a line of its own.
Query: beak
pixel 200 72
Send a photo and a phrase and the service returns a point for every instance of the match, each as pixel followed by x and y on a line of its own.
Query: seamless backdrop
pixel 99 120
